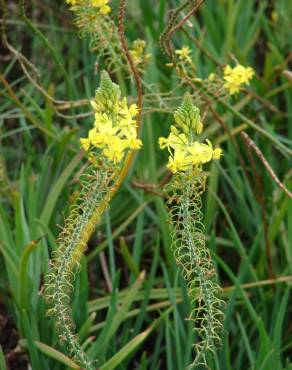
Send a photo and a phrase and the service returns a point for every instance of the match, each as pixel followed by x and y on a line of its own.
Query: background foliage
pixel 129 263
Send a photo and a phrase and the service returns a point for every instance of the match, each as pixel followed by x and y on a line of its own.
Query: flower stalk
pixel 109 142
pixel 186 160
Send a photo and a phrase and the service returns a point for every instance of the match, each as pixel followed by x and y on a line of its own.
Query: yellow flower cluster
pixel 185 151
pixel 102 5
pixel 184 54
pixel 138 52
pixel 114 131
pixel 236 77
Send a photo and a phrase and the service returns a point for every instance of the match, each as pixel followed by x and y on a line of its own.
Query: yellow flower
pixel 217 153
pixel 178 162
pixel 206 152
pixel 184 54
pixel 131 140
pixel 175 140
pixel 163 142
pixel 138 52
pixel 85 142
pixel 186 152
pixel 236 77
pixel 102 5
pixel 200 153
pixel 133 109
pixel 114 155
pixel 104 10
pixel 114 131
pixel 99 3
pixel 211 77
pixel 133 143
pixel 115 151
pixel 106 128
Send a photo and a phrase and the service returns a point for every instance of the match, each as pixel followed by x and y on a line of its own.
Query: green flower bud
pixel 199 128
pixel 187 116
pixel 108 93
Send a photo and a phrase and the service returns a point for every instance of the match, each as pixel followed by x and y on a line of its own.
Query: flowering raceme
pixel 187 153
pixel 114 132
pixel 184 54
pixel 186 160
pixel 138 52
pixel 236 77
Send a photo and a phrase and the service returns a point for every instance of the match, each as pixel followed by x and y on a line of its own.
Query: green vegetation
pixel 129 299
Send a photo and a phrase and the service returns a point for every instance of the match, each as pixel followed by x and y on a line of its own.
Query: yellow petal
pixel 217 153
pixel 85 142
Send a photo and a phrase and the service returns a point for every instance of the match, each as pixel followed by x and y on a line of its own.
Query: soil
pixel 15 358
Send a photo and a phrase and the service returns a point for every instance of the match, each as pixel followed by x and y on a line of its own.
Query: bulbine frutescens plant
pixel 186 160
pixel 93 19
pixel 113 136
